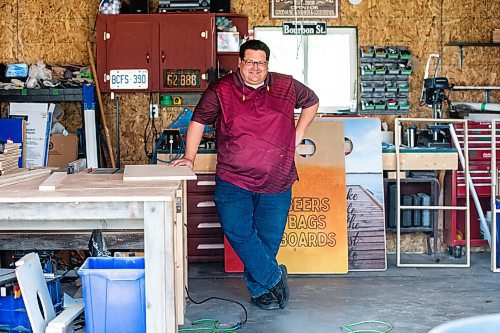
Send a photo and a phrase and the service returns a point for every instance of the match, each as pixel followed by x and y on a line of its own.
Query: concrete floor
pixel 409 299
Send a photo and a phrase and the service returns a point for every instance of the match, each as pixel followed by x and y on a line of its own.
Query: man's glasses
pixel 251 63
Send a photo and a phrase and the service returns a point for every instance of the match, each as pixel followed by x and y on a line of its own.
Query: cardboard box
pixel 62 150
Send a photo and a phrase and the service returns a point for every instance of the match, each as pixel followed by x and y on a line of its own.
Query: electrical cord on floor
pixel 213 325
pixel 347 328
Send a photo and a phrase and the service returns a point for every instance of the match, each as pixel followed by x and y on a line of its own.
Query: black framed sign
pixel 304 28
pixel 304 8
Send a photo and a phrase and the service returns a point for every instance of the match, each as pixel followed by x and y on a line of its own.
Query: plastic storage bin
pixel 114 295
pixel 13 315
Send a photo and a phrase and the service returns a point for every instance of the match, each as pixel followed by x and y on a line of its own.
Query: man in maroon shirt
pixel 253 112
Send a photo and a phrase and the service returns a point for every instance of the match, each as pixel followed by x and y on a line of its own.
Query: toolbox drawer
pixel 203 184
pixel 479 139
pixel 203 224
pixel 201 204
pixel 206 246
pixel 480 176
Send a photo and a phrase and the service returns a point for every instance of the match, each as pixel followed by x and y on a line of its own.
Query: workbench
pixel 421 159
pixel 411 159
pixel 104 201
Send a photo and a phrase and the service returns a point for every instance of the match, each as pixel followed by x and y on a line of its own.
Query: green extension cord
pixel 347 328
pixel 210 326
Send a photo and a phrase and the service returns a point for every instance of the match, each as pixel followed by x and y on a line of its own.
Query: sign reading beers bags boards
pixel 315 239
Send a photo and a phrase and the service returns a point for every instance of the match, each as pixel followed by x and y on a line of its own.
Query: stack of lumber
pixel 496 36
pixel 22 176
pixel 10 157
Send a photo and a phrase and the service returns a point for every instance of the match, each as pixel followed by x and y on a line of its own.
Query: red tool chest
pixel 479 142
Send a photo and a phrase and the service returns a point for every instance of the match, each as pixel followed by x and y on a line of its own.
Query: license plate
pixel 129 79
pixel 181 78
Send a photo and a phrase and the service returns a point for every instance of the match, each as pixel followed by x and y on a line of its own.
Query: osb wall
pixel 56 31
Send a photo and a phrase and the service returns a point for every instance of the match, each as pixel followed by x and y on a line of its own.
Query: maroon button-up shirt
pixel 255 129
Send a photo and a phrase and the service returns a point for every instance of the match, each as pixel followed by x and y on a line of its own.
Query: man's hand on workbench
pixel 185 161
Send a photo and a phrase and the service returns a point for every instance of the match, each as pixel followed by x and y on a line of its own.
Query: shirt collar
pixel 238 80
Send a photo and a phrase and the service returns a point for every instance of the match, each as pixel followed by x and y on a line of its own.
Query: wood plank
pixel 115 240
pixel 421 161
pixel 155 172
pixel 204 163
pixel 22 176
pixel 51 183
pixel 60 211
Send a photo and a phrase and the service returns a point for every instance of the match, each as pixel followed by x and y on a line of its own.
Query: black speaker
pixel 220 6
pixel 139 7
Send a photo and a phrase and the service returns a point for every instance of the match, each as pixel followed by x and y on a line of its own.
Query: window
pixel 326 63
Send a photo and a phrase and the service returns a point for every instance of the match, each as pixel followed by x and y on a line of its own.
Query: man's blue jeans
pixel 254 224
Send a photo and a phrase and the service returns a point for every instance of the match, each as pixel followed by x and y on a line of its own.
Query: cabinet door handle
pixel 208 225
pixel 205 204
pixel 162 56
pixel 147 58
pixel 206 183
pixel 204 34
pixel 210 246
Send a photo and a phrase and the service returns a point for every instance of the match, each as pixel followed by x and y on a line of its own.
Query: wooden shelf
pixel 411 229
pixel 462 44
pixel 42 95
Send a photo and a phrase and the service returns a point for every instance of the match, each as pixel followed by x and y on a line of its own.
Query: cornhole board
pixel 365 194
pixel 315 238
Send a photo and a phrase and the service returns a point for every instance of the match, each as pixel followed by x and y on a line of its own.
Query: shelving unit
pixel 384 87
pixel 84 95
pixel 427 224
pixel 228 61
pixel 400 208
pixel 42 95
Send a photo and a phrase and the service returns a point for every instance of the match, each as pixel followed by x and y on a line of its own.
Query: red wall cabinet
pixel 161 52
pixel 126 42
pixel 176 50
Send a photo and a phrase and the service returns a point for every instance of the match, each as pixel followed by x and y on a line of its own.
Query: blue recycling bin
pixel 114 295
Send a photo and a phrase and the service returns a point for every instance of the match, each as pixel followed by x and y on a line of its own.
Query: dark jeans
pixel 254 224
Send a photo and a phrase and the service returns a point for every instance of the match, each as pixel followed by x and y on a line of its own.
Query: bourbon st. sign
pixel 304 28
pixel 304 8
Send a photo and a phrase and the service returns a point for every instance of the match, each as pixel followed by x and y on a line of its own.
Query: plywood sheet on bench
pixel 156 172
